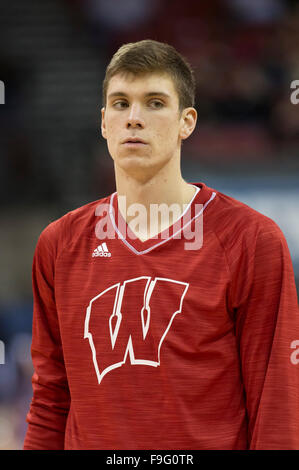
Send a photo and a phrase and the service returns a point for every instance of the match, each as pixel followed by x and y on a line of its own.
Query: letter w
pixel 131 320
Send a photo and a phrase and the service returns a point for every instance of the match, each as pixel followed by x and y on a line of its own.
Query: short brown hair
pixel 149 56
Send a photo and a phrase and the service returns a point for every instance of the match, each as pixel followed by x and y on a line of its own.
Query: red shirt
pixel 150 345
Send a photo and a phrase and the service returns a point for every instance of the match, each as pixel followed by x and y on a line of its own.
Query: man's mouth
pixel 134 142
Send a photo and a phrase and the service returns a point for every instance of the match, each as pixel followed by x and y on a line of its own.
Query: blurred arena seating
pixel 53 55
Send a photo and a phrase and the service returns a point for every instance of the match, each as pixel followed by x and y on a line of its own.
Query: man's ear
pixel 103 125
pixel 188 122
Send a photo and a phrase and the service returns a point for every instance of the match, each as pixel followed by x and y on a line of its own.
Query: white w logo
pixel 115 329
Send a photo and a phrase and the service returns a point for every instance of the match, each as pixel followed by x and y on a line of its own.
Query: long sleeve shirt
pixel 182 341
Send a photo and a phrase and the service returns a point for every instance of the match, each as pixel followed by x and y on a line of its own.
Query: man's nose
pixel 135 119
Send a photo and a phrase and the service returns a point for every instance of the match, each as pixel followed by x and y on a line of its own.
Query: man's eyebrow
pixel 151 93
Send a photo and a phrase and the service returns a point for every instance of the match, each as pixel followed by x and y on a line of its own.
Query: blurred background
pixel 53 55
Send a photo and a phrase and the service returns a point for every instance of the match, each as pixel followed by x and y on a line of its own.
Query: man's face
pixel 143 108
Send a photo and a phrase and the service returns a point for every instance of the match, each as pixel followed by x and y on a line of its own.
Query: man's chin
pixel 136 167
pixel 137 153
pixel 134 159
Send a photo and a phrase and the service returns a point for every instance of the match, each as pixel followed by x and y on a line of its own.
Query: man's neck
pixel 166 187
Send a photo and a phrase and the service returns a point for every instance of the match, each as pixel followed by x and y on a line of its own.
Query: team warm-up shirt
pixel 164 344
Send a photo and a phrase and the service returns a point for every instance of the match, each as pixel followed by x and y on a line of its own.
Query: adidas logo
pixel 101 250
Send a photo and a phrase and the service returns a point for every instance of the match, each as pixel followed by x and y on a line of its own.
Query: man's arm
pixel 51 399
pixel 267 322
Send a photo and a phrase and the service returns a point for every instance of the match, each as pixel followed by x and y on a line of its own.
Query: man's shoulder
pixel 73 223
pixel 232 219
pixel 84 212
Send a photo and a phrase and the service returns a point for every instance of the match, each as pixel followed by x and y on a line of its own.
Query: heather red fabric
pixel 156 346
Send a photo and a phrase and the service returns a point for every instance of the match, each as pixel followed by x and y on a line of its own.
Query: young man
pixel 169 333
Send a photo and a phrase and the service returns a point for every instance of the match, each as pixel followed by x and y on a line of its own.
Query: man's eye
pixel 156 104
pixel 120 104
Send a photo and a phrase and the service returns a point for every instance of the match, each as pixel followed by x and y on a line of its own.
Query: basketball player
pixel 154 328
